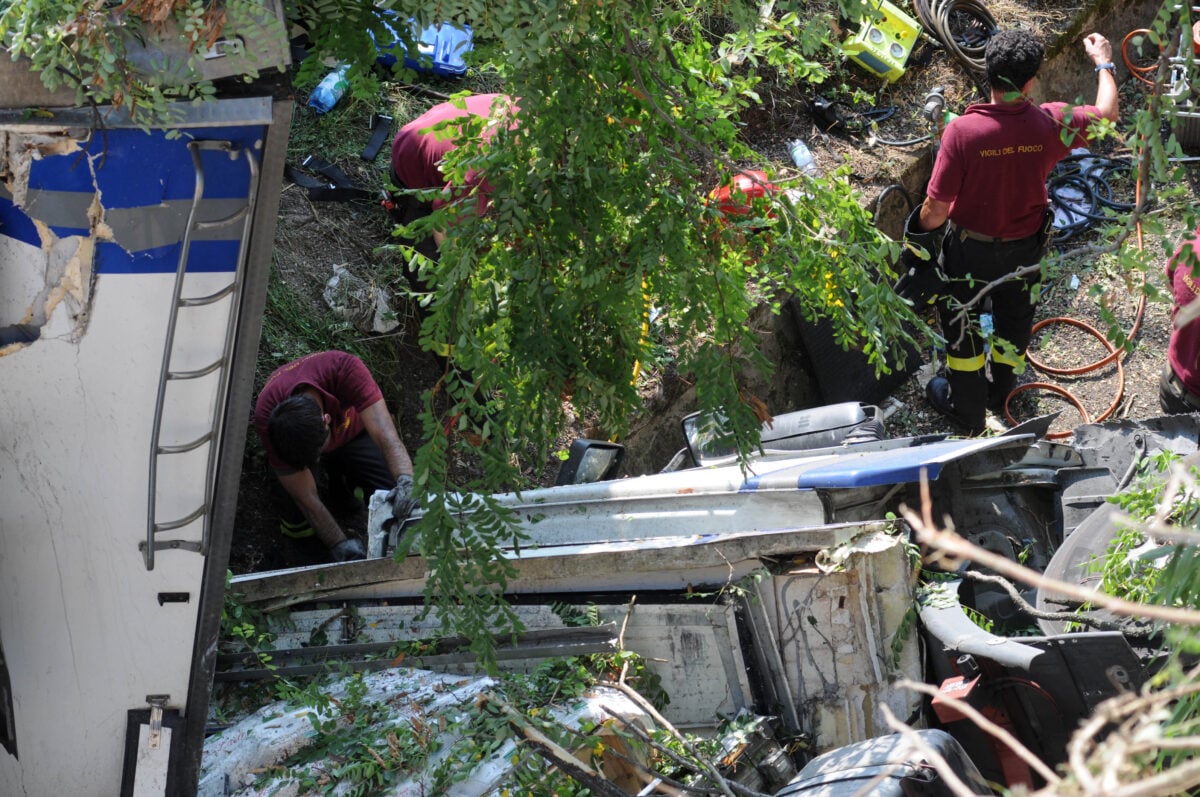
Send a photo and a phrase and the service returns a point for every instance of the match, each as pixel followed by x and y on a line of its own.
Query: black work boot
pixel 937 393
pixel 1004 381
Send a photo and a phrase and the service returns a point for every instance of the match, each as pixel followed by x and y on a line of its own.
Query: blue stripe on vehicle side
pixel 16 224
pixel 205 257
pixel 848 476
pixel 135 168
pixel 111 258
pixel 851 476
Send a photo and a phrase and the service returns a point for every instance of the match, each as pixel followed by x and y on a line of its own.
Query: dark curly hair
pixel 1013 59
pixel 297 431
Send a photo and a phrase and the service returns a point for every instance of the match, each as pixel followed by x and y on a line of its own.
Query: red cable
pixel 1139 72
pixel 1114 354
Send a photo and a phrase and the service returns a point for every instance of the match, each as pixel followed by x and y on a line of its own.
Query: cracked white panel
pixel 85 637
pixel 47 287
pixel 846 637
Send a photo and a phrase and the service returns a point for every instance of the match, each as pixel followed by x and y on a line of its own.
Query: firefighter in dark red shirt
pixel 326 410
pixel 986 215
pixel 1179 387
pixel 418 150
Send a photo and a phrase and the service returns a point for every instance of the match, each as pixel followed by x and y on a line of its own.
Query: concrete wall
pixel 1068 74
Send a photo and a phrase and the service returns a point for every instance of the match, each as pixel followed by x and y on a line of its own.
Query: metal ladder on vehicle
pixel 167 374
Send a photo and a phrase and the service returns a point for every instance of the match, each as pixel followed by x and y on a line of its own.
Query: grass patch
pixel 293 328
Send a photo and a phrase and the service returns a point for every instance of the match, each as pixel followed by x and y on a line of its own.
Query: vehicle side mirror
pixel 590 461
pixel 703 434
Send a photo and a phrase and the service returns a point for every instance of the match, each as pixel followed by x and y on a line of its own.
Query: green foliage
pixel 559 681
pixel 936 591
pixel 742 589
pixel 1175 582
pixel 979 618
pixel 245 626
pixel 245 630
pixel 574 617
pixel 362 746
pixel 140 55
pixel 1133 569
pixel 908 625
pixel 354 743
pixel 530 775
pixel 598 216
pixel 460 535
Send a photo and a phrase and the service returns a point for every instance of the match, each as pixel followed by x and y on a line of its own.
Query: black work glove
pixel 400 499
pixel 921 278
pixel 920 282
pixel 348 550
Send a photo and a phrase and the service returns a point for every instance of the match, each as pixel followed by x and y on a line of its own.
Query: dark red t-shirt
pixel 994 161
pixel 346 387
pixel 1183 350
pixel 417 152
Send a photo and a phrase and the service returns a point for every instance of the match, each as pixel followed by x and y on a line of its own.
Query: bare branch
pixel 1084 755
pixel 1180 481
pixel 644 704
pixel 1033 611
pixel 679 760
pixel 1177 780
pixel 959 550
pixel 548 749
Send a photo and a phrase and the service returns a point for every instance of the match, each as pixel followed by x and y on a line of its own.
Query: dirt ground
pixel 313 236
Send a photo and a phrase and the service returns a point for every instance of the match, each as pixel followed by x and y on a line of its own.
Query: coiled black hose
pixel 963 27
pixel 895 188
pixel 835 116
pixel 1080 189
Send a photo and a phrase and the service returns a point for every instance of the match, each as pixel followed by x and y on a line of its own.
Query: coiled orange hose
pixel 1142 73
pixel 1114 354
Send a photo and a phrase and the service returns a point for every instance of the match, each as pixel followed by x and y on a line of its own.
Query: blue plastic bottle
pixel 329 90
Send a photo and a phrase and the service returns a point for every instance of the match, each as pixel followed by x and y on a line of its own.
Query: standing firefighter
pixel 325 412
pixel 987 212
pixel 1179 387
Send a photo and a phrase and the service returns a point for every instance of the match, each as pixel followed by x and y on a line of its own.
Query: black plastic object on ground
pixel 335 187
pixel 886 766
pixel 381 132
pixel 840 375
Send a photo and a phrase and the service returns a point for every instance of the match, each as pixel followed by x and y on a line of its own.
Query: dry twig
pixel 709 770
pixel 959 550
pixel 551 751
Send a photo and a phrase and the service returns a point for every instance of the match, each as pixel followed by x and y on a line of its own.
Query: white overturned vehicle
pixel 821 625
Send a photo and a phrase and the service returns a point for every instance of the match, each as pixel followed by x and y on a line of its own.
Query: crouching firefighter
pixel 986 221
pixel 324 415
